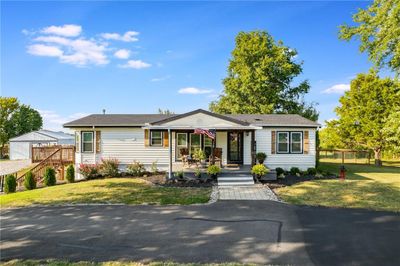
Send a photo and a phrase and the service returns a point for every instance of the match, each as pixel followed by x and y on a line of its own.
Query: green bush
pixel 179 174
pixel 199 155
pixel 29 181
pixel 312 171
pixel 70 176
pixel 109 167
pixel 259 170
pixel 154 169
pixel 136 169
pixel 261 156
pixel 10 184
pixel 197 173
pixel 213 170
pixel 279 171
pixel 49 178
pixel 294 171
pixel 89 171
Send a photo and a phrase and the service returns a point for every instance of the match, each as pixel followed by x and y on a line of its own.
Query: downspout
pixel 170 154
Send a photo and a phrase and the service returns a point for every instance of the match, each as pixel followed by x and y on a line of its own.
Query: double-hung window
pixel 289 142
pixel 156 138
pixel 87 141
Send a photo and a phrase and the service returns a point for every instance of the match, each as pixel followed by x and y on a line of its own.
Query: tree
pixel 391 130
pixel 378 29
pixel 364 110
pixel 259 79
pixel 329 136
pixel 16 119
pixel 165 112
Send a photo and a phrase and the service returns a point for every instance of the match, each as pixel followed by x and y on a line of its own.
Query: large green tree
pixel 391 130
pixel 364 110
pixel 329 136
pixel 16 119
pixel 378 29
pixel 260 76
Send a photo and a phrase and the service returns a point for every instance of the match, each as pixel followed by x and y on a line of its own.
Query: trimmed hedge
pixel 70 175
pixel 10 184
pixel 29 181
pixel 49 178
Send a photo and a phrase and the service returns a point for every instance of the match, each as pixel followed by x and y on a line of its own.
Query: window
pixel 283 142
pixel 181 143
pixel 87 141
pixel 207 146
pixel 296 140
pixel 195 142
pixel 156 138
pixel 290 142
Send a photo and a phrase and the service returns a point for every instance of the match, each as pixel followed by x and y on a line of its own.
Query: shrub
pixel 312 171
pixel 70 176
pixel 109 167
pixel 213 170
pixel 259 170
pixel 10 184
pixel 261 156
pixel 136 169
pixel 154 169
pixel 197 173
pixel 89 171
pixel 294 171
pixel 179 174
pixel 279 171
pixel 29 181
pixel 49 178
pixel 199 155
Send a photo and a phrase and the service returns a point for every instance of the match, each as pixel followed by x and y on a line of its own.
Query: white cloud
pixel 193 90
pixel 45 50
pixel 122 54
pixel 160 78
pixel 79 52
pixel 68 30
pixel 54 121
pixel 338 88
pixel 136 64
pixel 128 36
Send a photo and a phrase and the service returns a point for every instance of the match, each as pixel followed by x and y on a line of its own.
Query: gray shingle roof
pixel 142 119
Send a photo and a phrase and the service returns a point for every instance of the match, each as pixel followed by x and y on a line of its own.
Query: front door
pixel 235 147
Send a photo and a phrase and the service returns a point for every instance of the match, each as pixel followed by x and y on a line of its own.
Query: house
pixel 21 146
pixel 288 140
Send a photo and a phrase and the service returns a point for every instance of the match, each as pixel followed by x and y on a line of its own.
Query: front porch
pixel 225 169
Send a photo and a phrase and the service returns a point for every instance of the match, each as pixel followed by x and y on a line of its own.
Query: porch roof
pixel 239 127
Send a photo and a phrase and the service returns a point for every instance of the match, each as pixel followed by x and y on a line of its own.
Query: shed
pixel 21 146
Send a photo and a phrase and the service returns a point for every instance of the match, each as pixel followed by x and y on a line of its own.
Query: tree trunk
pixel 1 151
pixel 378 161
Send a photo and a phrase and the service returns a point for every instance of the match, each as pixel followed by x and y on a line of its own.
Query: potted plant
pixel 200 156
pixel 213 171
pixel 261 156
pixel 259 170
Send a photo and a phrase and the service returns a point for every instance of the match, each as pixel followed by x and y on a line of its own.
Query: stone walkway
pixel 255 192
pixel 10 167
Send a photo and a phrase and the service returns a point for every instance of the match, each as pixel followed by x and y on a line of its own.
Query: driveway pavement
pixel 10 167
pixel 264 232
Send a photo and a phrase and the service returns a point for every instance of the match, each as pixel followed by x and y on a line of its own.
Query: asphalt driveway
pixel 262 232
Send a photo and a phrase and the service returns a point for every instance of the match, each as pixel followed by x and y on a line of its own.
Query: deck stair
pixel 235 180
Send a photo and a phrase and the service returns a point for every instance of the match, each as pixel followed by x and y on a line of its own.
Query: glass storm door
pixel 235 147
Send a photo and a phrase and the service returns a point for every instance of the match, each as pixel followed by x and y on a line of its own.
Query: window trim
pixel 301 142
pixel 289 134
pixel 83 141
pixel 288 142
pixel 151 139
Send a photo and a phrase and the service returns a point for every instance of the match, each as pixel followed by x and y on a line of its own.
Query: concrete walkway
pixel 254 192
pixel 10 167
pixel 264 232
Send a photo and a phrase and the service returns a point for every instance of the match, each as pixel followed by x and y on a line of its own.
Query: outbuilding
pixel 21 146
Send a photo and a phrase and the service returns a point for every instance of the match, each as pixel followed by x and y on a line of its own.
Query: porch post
pixel 170 154
pixel 253 148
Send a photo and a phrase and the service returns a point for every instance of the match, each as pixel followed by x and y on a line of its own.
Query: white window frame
pixel 178 156
pixel 301 142
pixel 83 141
pixel 151 139
pixel 288 142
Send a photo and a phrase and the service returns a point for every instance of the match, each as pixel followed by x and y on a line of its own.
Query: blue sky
pixel 74 58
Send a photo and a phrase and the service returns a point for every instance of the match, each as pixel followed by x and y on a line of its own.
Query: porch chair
pixel 217 157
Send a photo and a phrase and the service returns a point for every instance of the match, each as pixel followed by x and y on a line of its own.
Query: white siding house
pixel 288 140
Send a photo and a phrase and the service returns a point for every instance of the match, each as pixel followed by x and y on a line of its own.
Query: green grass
pixel 366 186
pixel 110 190
pixel 109 263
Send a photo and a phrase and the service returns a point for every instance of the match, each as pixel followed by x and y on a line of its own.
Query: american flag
pixel 210 133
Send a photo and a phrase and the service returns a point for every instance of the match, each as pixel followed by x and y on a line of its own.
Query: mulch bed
pixel 160 180
pixel 293 179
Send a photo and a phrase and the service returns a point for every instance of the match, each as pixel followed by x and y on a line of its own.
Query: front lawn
pixel 110 190
pixel 366 186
